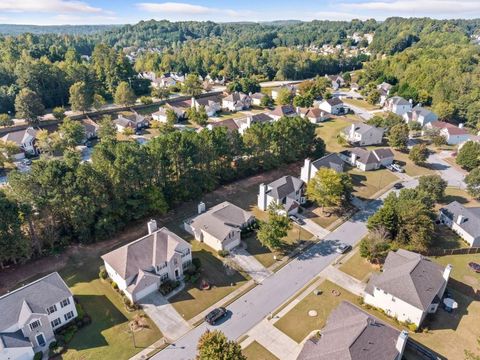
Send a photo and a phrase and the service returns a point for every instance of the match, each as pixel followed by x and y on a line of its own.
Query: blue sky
pixel 56 12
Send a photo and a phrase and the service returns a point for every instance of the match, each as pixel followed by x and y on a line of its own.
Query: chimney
pixel 249 121
pixel 201 207
pixel 152 226
pixel 460 126
pixel 447 271
pixel 297 110
pixel 352 132
pixel 401 342
pixel 262 197
pixel 193 102
pixel 410 101
pixel 306 171
pixel 353 158
pixel 460 219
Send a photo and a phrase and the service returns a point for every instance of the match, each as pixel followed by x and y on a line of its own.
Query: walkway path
pixel 249 264
pixel 344 280
pixel 312 227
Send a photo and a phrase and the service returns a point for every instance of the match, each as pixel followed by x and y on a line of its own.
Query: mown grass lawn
pixel 367 183
pixel 361 104
pixel 457 194
pixel 358 267
pixel 324 219
pixel 410 168
pixel 329 130
pixel 192 300
pixel 256 351
pixel 298 324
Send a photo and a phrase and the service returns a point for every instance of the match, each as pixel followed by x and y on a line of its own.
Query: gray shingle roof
pixel 331 161
pixel 334 101
pixel 284 186
pixel 146 252
pixel 18 137
pixel 14 340
pixel 352 334
pixel 471 222
pixel 362 128
pixel 283 110
pixel 221 219
pixel 410 277
pixel 398 100
pixel 35 297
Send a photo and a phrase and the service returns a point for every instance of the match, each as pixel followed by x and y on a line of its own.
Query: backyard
pixel 329 130
pixel 256 351
pixel 361 104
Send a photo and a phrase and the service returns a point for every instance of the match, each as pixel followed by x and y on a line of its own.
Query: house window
pixel 51 309
pixel 186 264
pixel 68 315
pixel 164 277
pixel 186 253
pixel 56 322
pixel 65 302
pixel 175 262
pixel 35 324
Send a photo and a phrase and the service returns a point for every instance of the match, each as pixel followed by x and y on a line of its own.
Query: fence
pixel 421 351
pixel 444 252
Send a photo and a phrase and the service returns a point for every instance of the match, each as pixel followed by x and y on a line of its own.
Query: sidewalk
pixel 344 280
pixel 249 264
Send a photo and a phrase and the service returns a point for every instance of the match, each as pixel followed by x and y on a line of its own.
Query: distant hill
pixel 11 29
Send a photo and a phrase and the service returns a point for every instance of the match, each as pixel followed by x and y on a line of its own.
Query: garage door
pixel 148 290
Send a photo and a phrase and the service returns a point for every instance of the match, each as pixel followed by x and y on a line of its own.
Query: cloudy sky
pixel 56 12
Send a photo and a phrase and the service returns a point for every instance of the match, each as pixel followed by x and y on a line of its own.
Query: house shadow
pixel 104 316
pixel 450 198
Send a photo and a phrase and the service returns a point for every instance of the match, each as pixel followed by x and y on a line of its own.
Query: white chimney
pixel 447 271
pixel 460 219
pixel 249 121
pixel 297 110
pixel 460 126
pixel 353 158
pixel 193 102
pixel 201 207
pixel 262 197
pixel 352 132
pixel 152 226
pixel 410 101
pixel 306 171
pixel 401 343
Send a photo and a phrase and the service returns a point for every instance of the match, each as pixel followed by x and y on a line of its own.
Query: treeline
pixel 17 29
pixel 61 201
pixel 217 59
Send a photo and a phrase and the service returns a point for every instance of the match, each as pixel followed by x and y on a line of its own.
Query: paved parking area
pixel 164 315
pixel 249 264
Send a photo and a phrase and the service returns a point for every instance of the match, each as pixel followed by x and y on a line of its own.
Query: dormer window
pixel 35 325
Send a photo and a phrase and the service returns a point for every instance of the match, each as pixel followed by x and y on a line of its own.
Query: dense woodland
pixel 63 201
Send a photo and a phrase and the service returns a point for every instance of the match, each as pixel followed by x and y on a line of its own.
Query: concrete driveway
pixel 164 315
pixel 312 227
pixel 452 175
pixel 249 264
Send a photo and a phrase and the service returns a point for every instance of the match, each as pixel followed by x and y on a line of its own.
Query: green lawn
pixel 361 104
pixel 192 300
pixel 329 130
pixel 367 183
pixel 462 277
pixel 410 168
pixel 261 253
pixel 456 194
pixel 255 351
pixel 444 238
pixel 324 219
pixel 297 324
pixel 358 267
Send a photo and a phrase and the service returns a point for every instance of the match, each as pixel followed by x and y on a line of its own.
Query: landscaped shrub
pixel 168 286
pixel 80 311
pixel 38 356
pixel 114 286
pixel 197 263
pixel 412 327
pixel 223 253
pixel 102 274
pixel 52 345
pixel 70 332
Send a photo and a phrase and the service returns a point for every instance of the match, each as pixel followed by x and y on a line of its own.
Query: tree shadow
pixel 323 248
pixel 104 316
pixel 450 198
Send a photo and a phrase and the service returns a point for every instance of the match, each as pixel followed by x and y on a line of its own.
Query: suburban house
pixel 465 221
pixel 257 98
pixel 453 134
pixel 237 101
pixel 219 227
pixel 336 80
pixel 246 122
pixel 352 334
pixel 361 134
pixel 409 287
pixel 30 315
pixel 276 91
pixel 212 104
pixel 397 105
pixel 384 91
pixel 287 191
pixel 140 267
pixel 313 114
pixel 25 141
pixel 160 115
pixel 367 160
pixel 281 111
pixel 333 106
pixel 134 121
pixel 330 161
pixel 421 115
pixel 230 124
pixel 91 128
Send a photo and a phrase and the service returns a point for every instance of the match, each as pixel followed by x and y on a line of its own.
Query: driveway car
pixel 215 314
pixel 398 168
pixel 297 220
pixel 398 186
pixel 343 248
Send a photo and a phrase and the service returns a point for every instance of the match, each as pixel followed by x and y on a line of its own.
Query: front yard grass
pixel 323 219
pixel 410 168
pixel 361 104
pixel 192 300
pixel 358 267
pixel 368 183
pixel 298 324
pixel 255 351
pixel 260 252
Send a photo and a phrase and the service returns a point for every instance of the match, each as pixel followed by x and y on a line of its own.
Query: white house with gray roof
pixel 140 267
pixel 465 221
pixel 287 191
pixel 397 105
pixel 237 101
pixel 24 140
pixel 219 227
pixel 333 106
pixel 421 115
pixel 409 287
pixel 352 334
pixel 30 315
pixel 361 134
pixel 367 160
pixel 330 161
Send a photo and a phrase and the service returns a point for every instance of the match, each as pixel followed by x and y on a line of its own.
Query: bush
pixel 146 100
pixel 87 320
pixel 56 351
pixel 114 286
pixel 412 327
pixel 223 253
pixel 38 356
pixel 53 345
pixel 70 332
pixel 103 273
pixel 168 286
pixel 80 311
pixel 197 263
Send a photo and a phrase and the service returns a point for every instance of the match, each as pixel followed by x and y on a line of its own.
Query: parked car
pixel 297 220
pixel 398 168
pixel 343 248
pixel 474 266
pixel 398 186
pixel 215 314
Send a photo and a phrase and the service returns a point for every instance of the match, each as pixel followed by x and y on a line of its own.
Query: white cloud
pixel 58 6
pixel 337 16
pixel 189 9
pixel 422 7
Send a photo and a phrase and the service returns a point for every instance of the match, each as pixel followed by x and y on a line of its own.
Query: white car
pixel 397 168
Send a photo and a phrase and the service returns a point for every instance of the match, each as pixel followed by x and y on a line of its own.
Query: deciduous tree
pixel 329 188
pixel 124 94
pixel 214 345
